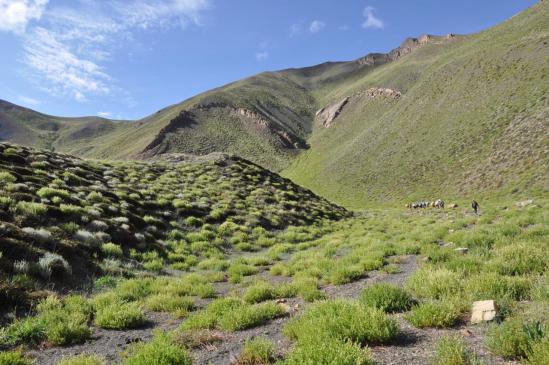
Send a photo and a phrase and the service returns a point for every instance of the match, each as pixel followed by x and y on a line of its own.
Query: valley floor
pixel 415 251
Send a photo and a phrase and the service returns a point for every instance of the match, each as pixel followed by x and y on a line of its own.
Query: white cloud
pixel 29 101
pixel 159 13
pixel 66 52
pixel 316 26
pixel 67 74
pixel 104 114
pixel 16 14
pixel 371 20
pixel 296 29
pixel 260 56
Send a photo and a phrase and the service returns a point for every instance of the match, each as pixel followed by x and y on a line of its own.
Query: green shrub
pixel 538 353
pixel 434 314
pixel 387 297
pixel 434 283
pixel 249 316
pixel 155 265
pixel 329 352
pixel 232 314
pixel 120 316
pixel 13 358
pixel 237 270
pixel 26 330
pixel 515 338
pixel 6 178
pixel 452 350
pixel 258 351
pixel 499 287
pixel 161 350
pixel 83 360
pixel 169 303
pixel 61 323
pixel 342 320
pixel 29 208
pixel 48 193
pixel 345 274
pixel 111 249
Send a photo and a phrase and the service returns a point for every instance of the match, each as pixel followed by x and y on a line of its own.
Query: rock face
pixel 328 114
pixel 408 46
pixel 267 124
pixel 483 311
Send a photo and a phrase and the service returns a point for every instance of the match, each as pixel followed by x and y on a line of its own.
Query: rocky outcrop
pixel 272 129
pixel 288 139
pixel 328 114
pixel 408 46
pixel 375 92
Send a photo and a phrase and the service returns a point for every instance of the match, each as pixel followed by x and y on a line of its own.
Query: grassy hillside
pixel 64 221
pixel 472 118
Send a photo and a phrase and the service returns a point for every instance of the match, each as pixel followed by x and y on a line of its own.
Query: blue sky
pixel 126 59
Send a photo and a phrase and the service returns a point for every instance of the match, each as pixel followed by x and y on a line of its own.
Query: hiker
pixel 475 206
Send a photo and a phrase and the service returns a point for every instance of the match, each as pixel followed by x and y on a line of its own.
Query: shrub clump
pixel 13 358
pixel 258 351
pixel 386 297
pixel 59 322
pixel 120 315
pixel 329 352
pixel 451 350
pixel 342 320
pixel 233 314
pixel 438 314
pixel 161 350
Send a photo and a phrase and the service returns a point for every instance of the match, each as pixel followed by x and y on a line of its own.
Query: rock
pixel 286 307
pixel 524 203
pixel 462 250
pixel 466 333
pixel 452 206
pixel 328 114
pixel 483 311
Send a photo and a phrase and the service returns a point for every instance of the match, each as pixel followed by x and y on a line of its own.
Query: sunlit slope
pixel 473 117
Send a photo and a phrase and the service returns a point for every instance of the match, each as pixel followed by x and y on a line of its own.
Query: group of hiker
pixel 439 203
pixel 426 204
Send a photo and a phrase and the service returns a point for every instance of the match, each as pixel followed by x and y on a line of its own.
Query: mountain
pixel 438 116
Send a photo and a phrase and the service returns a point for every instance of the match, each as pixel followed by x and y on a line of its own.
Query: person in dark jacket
pixel 475 206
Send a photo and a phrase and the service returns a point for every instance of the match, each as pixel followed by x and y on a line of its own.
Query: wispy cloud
pixel 261 56
pixel 64 73
pixel 316 26
pixel 296 29
pixel 66 52
pixel 105 114
pixel 371 20
pixel 16 14
pixel 29 101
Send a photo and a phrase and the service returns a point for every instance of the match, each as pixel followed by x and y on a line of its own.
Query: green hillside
pixel 472 117
pixel 464 115
pixel 64 221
